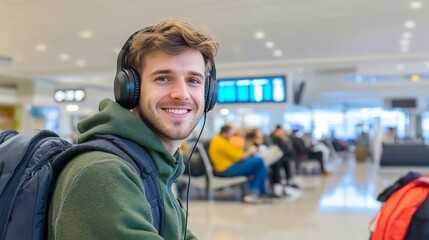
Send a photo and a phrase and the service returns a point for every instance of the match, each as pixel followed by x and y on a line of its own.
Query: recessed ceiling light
pixel 259 35
pixel 41 47
pixel 416 5
pixel 72 108
pixel 81 63
pixel 278 53
pixel 64 57
pixel 407 35
pixel 269 44
pixel 410 24
pixel 86 34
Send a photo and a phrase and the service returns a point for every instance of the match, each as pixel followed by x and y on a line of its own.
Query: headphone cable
pixel 189 173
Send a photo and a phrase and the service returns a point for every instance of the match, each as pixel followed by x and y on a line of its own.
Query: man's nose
pixel 180 90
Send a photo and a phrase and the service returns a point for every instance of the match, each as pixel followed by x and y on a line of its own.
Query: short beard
pixel 168 134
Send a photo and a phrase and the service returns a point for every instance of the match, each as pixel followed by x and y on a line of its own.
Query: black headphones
pixel 127 81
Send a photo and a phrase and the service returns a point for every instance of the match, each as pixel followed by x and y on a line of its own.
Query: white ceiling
pixel 323 42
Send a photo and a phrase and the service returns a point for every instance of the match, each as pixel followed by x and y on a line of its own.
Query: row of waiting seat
pixel 404 154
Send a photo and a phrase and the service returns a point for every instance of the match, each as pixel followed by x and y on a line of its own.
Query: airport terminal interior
pixel 351 77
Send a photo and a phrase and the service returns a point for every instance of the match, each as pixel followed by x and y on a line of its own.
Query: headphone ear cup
pixel 210 94
pixel 127 88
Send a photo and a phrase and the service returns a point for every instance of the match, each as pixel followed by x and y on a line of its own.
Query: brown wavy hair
pixel 171 36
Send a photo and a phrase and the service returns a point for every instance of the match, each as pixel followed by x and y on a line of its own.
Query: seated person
pixel 255 137
pixel 281 139
pixel 269 153
pixel 234 161
pixel 390 136
pixel 304 153
pixel 316 146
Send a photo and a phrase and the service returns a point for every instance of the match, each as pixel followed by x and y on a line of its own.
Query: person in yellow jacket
pixel 230 160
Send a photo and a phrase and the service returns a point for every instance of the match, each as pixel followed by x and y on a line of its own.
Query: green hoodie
pixel 100 196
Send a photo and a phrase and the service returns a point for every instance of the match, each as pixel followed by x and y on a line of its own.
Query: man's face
pixel 228 134
pixel 172 93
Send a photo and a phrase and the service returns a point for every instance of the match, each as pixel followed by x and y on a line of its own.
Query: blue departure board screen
pixel 252 90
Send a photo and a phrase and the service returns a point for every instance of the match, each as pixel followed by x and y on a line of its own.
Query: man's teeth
pixel 177 111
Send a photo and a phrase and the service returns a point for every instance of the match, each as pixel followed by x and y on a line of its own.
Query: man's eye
pixel 194 80
pixel 162 79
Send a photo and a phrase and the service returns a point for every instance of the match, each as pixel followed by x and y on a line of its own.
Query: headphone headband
pixel 122 56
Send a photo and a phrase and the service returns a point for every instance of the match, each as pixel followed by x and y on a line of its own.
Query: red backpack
pixel 405 211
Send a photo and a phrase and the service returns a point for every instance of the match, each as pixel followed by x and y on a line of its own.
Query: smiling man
pixel 166 77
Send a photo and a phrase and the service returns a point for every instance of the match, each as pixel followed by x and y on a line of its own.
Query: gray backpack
pixel 30 163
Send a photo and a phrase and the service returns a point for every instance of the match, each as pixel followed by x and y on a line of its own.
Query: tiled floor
pixel 340 207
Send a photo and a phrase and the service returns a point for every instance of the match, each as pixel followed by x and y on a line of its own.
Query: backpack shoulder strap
pixel 402 181
pixel 135 155
pixel 419 225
